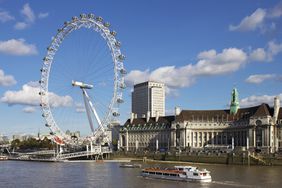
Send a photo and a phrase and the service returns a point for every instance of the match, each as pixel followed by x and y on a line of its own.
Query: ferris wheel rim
pixel 102 28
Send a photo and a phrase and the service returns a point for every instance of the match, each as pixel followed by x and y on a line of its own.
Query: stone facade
pixel 141 134
pixel 148 97
pixel 257 128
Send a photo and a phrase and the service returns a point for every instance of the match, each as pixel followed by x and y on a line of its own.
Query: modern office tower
pixel 148 99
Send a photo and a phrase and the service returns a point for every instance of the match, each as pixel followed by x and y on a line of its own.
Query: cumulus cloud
pixel 17 47
pixel 255 100
pixel 267 54
pixel 273 50
pixel 263 19
pixel 29 109
pixel 136 76
pixel 250 23
pixel 258 54
pixel 259 78
pixel 6 80
pixel 5 16
pixel 209 63
pixel 29 95
pixel 43 15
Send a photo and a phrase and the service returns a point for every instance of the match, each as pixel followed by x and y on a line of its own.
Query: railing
pixel 44 152
pixel 95 151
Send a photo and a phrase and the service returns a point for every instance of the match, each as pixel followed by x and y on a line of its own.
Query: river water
pixel 104 175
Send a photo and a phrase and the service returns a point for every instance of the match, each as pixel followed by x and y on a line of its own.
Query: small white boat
pixel 3 158
pixel 130 166
pixel 178 173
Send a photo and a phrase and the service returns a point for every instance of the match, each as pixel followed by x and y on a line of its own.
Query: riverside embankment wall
pixel 219 158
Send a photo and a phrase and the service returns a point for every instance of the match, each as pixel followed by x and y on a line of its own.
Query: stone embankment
pixel 243 158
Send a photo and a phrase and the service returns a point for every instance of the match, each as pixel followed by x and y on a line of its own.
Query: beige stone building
pixel 257 128
pixel 148 97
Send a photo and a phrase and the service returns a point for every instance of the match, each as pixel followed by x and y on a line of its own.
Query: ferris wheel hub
pixel 81 85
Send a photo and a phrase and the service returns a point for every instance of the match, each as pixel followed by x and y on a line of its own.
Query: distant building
pixel 148 98
pixel 257 128
pixel 75 134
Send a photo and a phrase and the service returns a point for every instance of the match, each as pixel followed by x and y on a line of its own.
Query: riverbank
pixel 220 158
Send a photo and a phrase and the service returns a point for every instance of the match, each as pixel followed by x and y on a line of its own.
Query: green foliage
pixel 32 143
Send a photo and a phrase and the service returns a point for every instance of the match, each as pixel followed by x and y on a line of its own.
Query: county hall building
pixel 257 128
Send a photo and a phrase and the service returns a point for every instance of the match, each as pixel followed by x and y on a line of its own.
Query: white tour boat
pixel 178 173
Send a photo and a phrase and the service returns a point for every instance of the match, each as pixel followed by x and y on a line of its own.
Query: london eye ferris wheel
pixel 82 80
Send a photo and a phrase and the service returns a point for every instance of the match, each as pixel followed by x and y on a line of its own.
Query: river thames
pixel 91 174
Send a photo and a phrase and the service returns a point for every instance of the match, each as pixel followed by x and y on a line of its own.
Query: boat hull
pixel 176 178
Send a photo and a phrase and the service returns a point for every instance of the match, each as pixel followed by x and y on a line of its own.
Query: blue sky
pixel 200 49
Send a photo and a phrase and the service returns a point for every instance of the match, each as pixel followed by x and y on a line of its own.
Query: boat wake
pixel 231 183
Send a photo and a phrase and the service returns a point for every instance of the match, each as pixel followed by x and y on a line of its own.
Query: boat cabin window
pixel 180 168
pixel 158 173
pixel 195 174
pixel 152 173
pixel 166 174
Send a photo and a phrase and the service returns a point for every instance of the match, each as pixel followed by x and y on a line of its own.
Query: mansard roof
pixel 152 120
pixel 224 115
pixel 140 124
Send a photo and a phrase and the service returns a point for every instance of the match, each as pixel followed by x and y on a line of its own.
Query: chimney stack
pixel 276 109
pixel 177 111
pixel 132 117
pixel 157 116
pixel 148 116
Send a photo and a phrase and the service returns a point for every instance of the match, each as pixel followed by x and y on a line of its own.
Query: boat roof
pixel 185 167
pixel 174 171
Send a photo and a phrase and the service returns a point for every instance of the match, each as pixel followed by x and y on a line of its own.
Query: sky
pixel 199 49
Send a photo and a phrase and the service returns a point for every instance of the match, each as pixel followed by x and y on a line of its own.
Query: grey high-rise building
pixel 148 97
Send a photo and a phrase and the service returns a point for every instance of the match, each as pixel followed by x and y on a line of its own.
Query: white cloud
pixel 276 11
pixel 17 47
pixel 6 80
pixel 209 63
pixel 273 49
pixel 20 25
pixel 29 109
pixel 267 54
pixel 43 15
pixel 257 100
pixel 29 17
pixel 79 108
pixel 229 60
pixel 29 95
pixel 250 23
pixel 262 19
pixel 28 13
pixel 136 76
pixel 5 16
pixel 259 78
pixel 258 54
